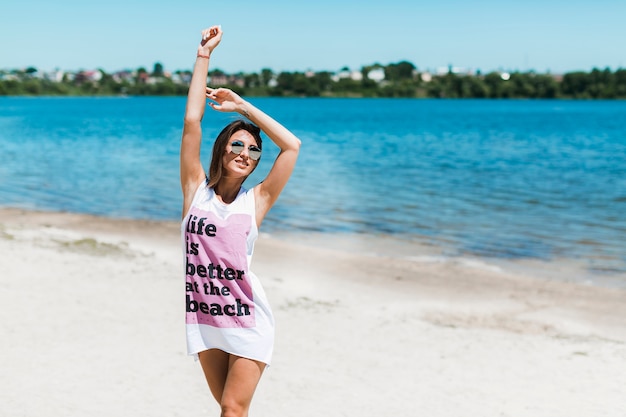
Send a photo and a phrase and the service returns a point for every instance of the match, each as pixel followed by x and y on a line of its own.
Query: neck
pixel 227 190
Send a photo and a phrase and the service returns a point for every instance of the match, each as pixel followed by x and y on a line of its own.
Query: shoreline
pixel 93 310
pixel 562 269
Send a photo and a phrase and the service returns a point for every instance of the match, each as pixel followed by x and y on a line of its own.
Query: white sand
pixel 92 324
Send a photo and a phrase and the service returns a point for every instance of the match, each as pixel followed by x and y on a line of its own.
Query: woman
pixel 229 323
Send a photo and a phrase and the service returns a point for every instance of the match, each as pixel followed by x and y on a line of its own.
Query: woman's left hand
pixel 224 100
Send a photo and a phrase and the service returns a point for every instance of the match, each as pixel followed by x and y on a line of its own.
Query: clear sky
pixel 541 35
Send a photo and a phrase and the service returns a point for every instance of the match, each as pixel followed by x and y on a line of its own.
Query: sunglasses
pixel 254 152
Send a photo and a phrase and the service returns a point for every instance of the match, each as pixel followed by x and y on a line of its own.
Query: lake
pixel 498 180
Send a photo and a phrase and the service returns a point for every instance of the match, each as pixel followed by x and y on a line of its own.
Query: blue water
pixel 496 179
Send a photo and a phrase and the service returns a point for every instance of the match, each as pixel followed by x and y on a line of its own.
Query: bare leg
pixel 215 366
pixel 243 378
pixel 232 380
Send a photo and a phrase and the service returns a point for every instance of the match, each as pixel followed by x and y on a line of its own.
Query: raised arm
pixel 191 170
pixel 267 192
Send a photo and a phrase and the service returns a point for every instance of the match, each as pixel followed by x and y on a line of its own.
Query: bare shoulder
pixel 262 202
pixel 189 191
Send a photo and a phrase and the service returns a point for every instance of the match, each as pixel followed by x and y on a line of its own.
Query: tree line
pixel 400 79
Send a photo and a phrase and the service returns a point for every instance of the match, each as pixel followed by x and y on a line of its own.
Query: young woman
pixel 228 320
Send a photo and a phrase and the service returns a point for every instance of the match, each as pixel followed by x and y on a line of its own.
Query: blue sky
pixel 548 35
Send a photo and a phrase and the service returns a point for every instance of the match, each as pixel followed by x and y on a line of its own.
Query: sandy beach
pixel 92 324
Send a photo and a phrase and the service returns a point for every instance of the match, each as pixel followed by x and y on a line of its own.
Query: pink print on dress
pixel 219 292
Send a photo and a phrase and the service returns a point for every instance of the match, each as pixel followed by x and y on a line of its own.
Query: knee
pixel 233 409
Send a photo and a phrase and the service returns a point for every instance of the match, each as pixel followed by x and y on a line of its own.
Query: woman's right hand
pixel 211 37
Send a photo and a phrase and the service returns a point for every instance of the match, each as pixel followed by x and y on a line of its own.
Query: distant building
pixel 218 79
pixel 122 76
pixel 87 76
pixel 356 75
pixel 224 79
pixel 377 74
pixel 345 73
pixel 55 76
pixel 181 77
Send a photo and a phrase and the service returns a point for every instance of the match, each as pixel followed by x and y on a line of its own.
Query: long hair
pixel 216 166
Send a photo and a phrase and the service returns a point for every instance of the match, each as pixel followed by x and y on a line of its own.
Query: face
pixel 241 163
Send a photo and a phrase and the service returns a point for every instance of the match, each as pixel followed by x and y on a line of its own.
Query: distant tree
pixel 475 87
pixel 399 80
pixel 164 88
pixel 295 83
pixel 491 81
pixel 304 86
pixel 215 72
pixel 575 84
pixel 322 81
pixel 367 68
pixel 451 86
pixel 252 80
pixel 266 75
pixel 142 75
pixel 346 87
pixel 11 87
pixel 285 81
pixel 522 85
pixel 55 89
pixel 158 70
pixel 601 84
pixel 620 83
pixel 546 86
pixel 403 70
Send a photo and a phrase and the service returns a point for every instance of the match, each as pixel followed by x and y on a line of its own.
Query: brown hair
pixel 215 168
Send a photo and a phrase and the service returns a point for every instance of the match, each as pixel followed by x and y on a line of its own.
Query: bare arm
pixel 191 170
pixel 268 191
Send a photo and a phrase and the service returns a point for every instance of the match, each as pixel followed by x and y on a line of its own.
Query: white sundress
pixel 226 306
